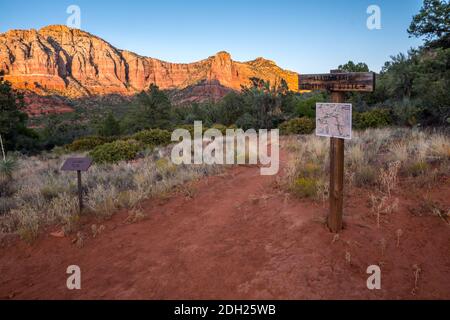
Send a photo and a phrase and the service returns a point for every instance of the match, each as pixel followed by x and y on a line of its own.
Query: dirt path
pixel 238 237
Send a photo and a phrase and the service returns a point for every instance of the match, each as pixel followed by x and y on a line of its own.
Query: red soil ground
pixel 240 237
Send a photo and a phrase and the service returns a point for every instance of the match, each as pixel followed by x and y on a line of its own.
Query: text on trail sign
pixel 348 81
pixel 334 120
pixel 76 164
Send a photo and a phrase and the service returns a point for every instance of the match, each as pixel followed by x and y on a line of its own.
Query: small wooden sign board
pixel 76 164
pixel 334 120
pixel 338 81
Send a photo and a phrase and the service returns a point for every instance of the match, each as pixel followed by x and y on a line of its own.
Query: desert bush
pixel 64 209
pixel 305 187
pixel 49 192
pixel 374 118
pixel 103 200
pixel 305 172
pixel 440 146
pixel 418 168
pixel 302 125
pixel 311 170
pixel 365 175
pixel 355 155
pixel 27 220
pixel 399 152
pixel 7 167
pixel 87 143
pixel 153 137
pixel 120 150
pixel 389 177
pixel 165 167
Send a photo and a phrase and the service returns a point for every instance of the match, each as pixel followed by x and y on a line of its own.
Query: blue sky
pixel 305 36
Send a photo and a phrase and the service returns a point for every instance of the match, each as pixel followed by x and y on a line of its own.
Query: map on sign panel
pixel 334 120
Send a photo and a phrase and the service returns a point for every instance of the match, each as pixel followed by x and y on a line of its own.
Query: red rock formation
pixel 38 105
pixel 74 63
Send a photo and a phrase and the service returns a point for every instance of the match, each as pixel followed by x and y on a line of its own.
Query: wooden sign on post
pixel 78 165
pixel 337 82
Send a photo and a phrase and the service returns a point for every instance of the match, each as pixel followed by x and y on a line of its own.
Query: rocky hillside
pixel 73 63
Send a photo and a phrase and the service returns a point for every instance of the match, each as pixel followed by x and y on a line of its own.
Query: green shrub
pixel 302 125
pixel 115 151
pixel 306 107
pixel 246 121
pixel 305 187
pixel 375 118
pixel 153 137
pixel 87 143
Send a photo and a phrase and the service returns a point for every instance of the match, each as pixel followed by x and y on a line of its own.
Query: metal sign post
pixel 78 165
pixel 335 122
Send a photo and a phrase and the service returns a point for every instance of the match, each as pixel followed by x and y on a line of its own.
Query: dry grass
pixel 44 195
pixel 374 157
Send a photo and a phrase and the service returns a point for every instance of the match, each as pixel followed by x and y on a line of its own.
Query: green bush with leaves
pixel 87 143
pixel 375 118
pixel 302 125
pixel 120 150
pixel 153 137
pixel 305 105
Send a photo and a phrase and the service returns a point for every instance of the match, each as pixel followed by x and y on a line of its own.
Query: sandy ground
pixel 240 237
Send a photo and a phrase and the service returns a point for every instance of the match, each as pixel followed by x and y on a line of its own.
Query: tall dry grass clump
pixel 373 158
pixel 41 194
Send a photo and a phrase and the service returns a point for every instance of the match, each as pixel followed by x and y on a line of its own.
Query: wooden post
pixel 336 175
pixel 337 82
pixel 80 191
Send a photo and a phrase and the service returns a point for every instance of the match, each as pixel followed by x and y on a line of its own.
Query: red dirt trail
pixel 239 237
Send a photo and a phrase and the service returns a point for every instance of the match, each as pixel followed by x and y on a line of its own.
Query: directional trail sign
pixel 338 81
pixel 334 120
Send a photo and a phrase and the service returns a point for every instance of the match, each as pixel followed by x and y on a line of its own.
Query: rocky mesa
pixel 74 63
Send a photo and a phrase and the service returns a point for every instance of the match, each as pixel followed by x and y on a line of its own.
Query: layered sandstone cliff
pixel 74 63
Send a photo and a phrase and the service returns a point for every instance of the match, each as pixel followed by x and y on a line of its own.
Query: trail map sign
pixel 78 165
pixel 334 120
